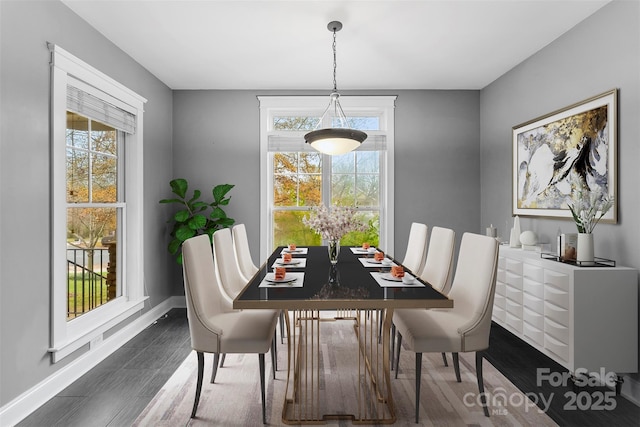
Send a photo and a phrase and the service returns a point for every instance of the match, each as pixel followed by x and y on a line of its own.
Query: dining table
pixel 313 293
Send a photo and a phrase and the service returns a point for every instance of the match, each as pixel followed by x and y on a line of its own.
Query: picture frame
pixel 562 152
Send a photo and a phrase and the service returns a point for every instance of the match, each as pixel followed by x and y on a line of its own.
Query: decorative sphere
pixel 528 238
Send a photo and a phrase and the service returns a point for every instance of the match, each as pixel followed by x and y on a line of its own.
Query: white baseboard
pixel 23 405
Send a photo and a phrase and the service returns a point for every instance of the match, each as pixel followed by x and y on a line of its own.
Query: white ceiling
pixel 384 44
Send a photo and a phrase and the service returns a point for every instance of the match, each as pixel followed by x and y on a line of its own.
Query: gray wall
pixel 26 26
pixel 599 54
pixel 217 140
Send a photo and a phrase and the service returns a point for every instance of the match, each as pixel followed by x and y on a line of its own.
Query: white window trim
pixel 68 336
pixel 271 106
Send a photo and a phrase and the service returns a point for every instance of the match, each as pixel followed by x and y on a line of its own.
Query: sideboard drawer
pixel 501 289
pixel 533 288
pixel 533 272
pixel 514 280
pixel 498 301
pixel 534 303
pixel 514 294
pixel 513 308
pixel 514 266
pixel 556 330
pixel 534 333
pixel 556 296
pixel 558 348
pixel 533 318
pixel 514 322
pixel 559 280
pixel 558 314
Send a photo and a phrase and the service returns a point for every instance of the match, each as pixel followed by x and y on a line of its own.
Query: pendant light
pixel 335 140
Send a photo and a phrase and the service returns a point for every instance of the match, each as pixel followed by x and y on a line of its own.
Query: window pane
pixel 367 190
pixel 285 162
pixel 285 190
pixel 295 122
pixel 91 258
pixel 104 179
pixel 343 190
pixel 297 179
pixel 310 191
pixel 77 176
pixel 77 131
pixel 103 138
pixel 368 161
pixel 356 238
pixel 360 123
pixel 343 163
pixel 288 228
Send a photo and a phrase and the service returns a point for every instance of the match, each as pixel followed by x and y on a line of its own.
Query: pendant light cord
pixel 335 85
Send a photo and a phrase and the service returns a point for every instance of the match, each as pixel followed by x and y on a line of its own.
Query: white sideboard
pixel 581 317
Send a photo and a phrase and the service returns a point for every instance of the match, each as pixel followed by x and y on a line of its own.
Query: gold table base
pixel 305 400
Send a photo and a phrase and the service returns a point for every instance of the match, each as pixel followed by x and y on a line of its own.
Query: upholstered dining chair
pixel 231 279
pixel 438 265
pixel 416 247
pixel 413 260
pixel 245 264
pixel 437 268
pixel 213 326
pixel 464 328
pixel 243 255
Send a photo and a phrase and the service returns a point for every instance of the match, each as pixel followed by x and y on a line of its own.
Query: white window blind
pixel 90 106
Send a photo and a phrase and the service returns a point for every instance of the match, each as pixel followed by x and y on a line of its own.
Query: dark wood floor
pixel 116 391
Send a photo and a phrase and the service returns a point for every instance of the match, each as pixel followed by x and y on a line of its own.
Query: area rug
pixel 234 399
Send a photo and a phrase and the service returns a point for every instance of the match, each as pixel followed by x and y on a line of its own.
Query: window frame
pixel 69 336
pixel 272 106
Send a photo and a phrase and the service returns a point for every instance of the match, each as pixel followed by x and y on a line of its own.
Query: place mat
pixel 395 284
pixel 297 283
pixel 296 251
pixel 295 263
pixel 360 251
pixel 370 262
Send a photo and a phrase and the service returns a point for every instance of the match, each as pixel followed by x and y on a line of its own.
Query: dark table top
pixel 348 285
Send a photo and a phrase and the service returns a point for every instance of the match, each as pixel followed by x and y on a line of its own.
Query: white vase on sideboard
pixel 585 247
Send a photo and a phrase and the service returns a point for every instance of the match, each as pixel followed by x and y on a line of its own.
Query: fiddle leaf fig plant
pixel 196 216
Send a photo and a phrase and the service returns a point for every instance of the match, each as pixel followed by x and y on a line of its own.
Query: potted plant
pixel 196 216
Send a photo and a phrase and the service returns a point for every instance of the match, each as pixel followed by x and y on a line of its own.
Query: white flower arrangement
pixel 333 224
pixel 587 208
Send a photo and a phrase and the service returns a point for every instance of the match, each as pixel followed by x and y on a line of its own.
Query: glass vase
pixel 334 251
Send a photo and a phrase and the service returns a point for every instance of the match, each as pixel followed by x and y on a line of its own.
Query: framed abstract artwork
pixel 565 151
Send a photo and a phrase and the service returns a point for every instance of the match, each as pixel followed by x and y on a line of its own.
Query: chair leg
pixel 274 356
pixel 393 344
pixel 456 366
pixel 224 355
pixel 399 344
pixel 199 383
pixel 418 378
pixel 261 363
pixel 281 327
pixel 444 359
pixel 214 371
pixel 380 315
pixel 483 398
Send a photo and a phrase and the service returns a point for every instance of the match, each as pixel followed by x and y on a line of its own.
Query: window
pixel 94 213
pixel 295 177
pixel 96 166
